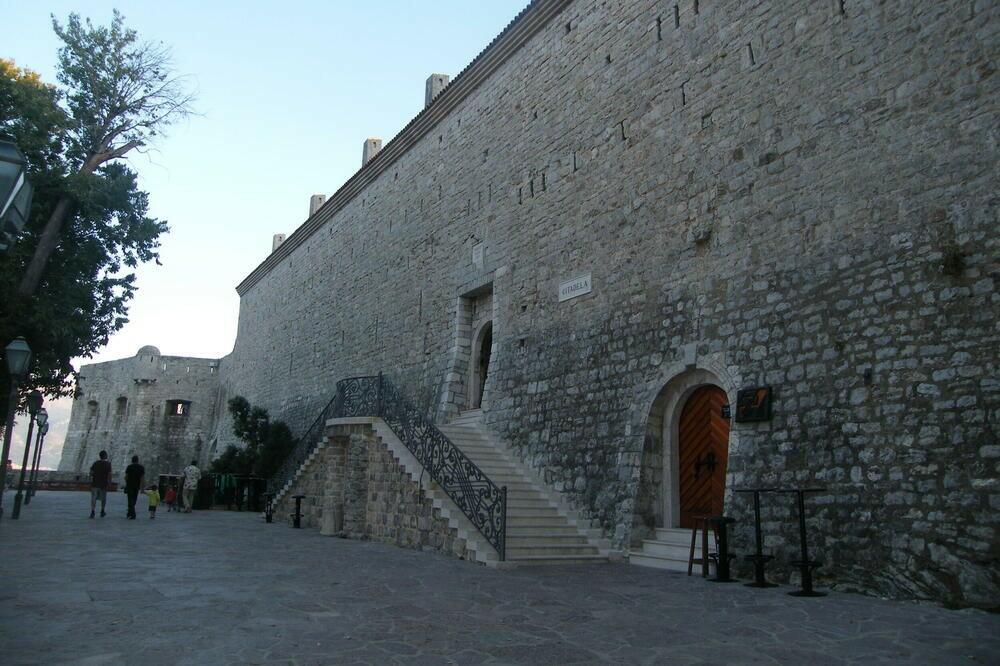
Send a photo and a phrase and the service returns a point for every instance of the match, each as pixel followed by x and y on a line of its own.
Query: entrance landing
pixel 215 587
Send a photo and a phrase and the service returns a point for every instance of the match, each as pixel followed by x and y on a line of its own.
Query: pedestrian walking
pixel 153 495
pixel 192 475
pixel 170 497
pixel 100 478
pixel 134 474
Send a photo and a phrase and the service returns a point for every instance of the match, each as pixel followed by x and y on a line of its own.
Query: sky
pixel 287 92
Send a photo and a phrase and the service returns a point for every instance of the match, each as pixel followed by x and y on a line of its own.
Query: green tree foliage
pixel 66 283
pixel 268 442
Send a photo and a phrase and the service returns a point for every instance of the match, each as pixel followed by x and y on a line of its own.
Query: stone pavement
pixel 224 588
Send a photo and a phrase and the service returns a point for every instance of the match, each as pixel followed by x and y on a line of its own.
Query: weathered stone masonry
pixel 162 408
pixel 800 195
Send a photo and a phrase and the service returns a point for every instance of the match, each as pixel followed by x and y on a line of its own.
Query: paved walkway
pixel 224 588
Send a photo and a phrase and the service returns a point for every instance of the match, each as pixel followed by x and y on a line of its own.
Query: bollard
pixel 805 565
pixel 297 518
pixel 758 558
pixel 268 508
pixel 721 525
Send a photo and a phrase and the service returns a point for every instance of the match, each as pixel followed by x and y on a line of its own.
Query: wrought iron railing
pixel 482 501
pixel 307 444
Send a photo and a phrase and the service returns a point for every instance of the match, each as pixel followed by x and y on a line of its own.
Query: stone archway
pixel 658 503
pixel 482 350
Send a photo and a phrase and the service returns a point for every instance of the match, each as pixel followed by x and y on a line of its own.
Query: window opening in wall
pixel 753 61
pixel 92 407
pixel 696 7
pixel 164 366
pixel 659 29
pixel 121 406
pixel 677 16
pixel 178 407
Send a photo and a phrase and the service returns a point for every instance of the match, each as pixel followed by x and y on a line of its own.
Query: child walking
pixel 171 498
pixel 153 494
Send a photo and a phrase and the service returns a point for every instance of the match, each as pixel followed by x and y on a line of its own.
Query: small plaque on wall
pixel 577 286
pixel 753 404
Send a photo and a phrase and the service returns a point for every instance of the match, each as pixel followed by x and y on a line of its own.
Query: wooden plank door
pixel 703 452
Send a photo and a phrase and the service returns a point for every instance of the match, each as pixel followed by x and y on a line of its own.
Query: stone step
pixel 540 530
pixel 531 560
pixel 568 549
pixel 678 535
pixel 530 512
pixel 546 541
pixel 541 520
pixel 670 550
pixel 527 503
pixel 643 560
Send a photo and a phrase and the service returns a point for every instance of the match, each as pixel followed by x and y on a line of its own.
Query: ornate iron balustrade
pixel 483 502
pixel 307 444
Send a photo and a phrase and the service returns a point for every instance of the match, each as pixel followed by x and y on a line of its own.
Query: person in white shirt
pixel 191 477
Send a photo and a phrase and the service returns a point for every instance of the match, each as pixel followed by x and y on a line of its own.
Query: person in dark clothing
pixel 133 484
pixel 100 478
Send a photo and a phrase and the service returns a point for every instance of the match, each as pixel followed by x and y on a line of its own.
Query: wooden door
pixel 703 450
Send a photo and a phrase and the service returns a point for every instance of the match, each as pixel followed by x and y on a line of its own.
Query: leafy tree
pixel 267 443
pixel 66 283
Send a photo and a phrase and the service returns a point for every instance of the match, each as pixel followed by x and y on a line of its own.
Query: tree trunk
pixel 46 244
pixel 53 228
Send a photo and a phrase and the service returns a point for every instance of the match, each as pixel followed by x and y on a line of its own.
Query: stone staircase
pixel 541 529
pixel 669 550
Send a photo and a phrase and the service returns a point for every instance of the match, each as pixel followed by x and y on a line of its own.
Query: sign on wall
pixel 753 404
pixel 577 286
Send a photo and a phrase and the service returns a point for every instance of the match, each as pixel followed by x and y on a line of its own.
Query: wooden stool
pixel 700 522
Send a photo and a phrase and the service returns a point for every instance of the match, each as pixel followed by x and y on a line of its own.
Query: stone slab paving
pixel 224 588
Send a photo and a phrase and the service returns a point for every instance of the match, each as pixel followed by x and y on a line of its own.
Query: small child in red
pixel 171 499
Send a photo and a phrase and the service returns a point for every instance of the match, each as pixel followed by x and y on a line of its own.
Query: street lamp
pixel 18 356
pixel 34 410
pixel 43 427
pixel 15 193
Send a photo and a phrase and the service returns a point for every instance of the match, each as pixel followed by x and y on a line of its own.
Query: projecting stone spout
pixel 372 146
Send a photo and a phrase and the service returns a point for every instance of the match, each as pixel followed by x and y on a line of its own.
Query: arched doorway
pixel 703 451
pixel 698 393
pixel 481 365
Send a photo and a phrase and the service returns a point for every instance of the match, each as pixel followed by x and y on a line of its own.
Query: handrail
pixel 307 444
pixel 483 502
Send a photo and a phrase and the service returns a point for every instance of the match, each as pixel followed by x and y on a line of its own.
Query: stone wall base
pixel 356 475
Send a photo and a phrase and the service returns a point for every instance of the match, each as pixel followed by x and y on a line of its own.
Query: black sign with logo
pixel 753 404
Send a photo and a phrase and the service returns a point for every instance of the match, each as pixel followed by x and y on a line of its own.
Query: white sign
pixel 578 286
pixel 477 254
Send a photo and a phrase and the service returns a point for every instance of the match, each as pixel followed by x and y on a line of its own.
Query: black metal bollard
pixel 805 565
pixel 297 518
pixel 721 525
pixel 268 508
pixel 758 558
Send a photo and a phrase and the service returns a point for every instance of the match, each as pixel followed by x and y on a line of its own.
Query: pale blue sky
pixel 287 93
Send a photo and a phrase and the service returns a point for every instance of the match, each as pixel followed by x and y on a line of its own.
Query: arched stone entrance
pixel 482 350
pixel 685 419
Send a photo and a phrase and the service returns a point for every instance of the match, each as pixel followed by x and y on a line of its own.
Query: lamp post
pixel 15 193
pixel 38 462
pixel 18 357
pixel 43 428
pixel 34 407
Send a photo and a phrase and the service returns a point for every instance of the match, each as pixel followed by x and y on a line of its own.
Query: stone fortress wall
pixel 161 408
pixel 796 195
